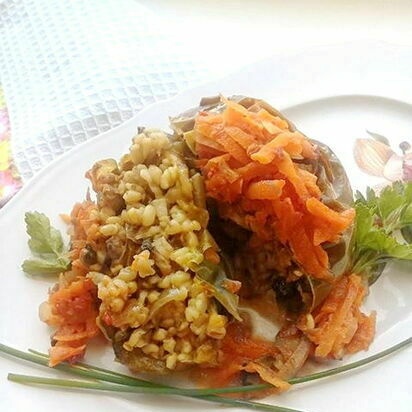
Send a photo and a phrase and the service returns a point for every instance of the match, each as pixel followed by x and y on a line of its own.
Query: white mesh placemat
pixel 73 69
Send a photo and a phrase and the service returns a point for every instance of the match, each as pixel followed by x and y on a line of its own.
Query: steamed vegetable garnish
pixel 231 250
pixel 380 222
pixel 46 244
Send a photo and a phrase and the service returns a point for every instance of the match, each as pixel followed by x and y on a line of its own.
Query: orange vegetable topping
pixel 74 315
pixel 250 161
pixel 339 325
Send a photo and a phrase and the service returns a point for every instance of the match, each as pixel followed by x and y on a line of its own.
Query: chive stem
pixel 76 384
pixel 352 365
pixel 120 379
pixel 104 386
pixel 117 382
pixel 79 368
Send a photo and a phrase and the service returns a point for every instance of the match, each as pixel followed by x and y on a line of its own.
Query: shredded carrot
pixel 364 334
pixel 255 170
pixel 74 304
pixel 291 142
pixel 265 189
pixel 252 170
pixel 59 353
pixel 240 137
pixel 74 312
pixel 329 223
pixel 206 151
pixel 267 374
pixel 314 257
pixel 239 349
pixel 310 181
pixel 275 120
pixel 211 143
pixel 289 170
pixel 340 327
pixel 232 147
pixel 238 116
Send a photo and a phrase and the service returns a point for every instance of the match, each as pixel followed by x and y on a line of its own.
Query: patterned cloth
pixel 10 181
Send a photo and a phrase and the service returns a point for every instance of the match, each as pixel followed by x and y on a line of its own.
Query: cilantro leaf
pixel 47 246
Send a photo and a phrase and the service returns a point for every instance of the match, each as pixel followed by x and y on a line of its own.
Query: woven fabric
pixel 73 69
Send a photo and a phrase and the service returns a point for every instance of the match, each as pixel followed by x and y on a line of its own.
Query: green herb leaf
pixel 407 233
pixel 43 237
pixel 380 222
pixel 46 244
pixel 407 216
pixel 48 266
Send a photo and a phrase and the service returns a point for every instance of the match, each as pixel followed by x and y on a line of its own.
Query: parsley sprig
pixel 381 227
pixel 50 255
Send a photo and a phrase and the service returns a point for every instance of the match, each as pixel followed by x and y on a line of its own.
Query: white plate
pixel 332 94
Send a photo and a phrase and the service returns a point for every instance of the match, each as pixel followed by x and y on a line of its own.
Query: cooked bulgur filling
pixel 144 238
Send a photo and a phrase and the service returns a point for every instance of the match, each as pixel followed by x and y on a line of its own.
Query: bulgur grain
pixel 157 237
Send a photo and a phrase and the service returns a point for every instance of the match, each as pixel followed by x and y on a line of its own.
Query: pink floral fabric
pixel 10 181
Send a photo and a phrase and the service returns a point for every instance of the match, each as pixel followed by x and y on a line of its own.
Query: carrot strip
pixel 58 354
pixel 232 147
pixel 254 170
pixel 207 152
pixel 265 189
pixel 275 120
pixel 288 141
pixel 289 170
pixel 329 216
pixel 238 349
pixel 267 374
pixel 364 334
pixel 208 142
pixel 239 136
pixel 313 258
pixel 237 115
pixel 328 224
pixel 310 181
